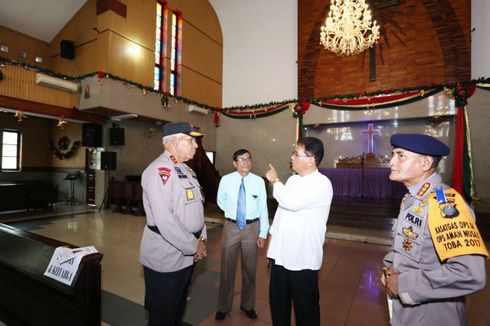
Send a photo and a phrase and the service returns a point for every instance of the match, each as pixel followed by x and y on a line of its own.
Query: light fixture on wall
pixel 194 108
pixel 349 28
pixel 124 116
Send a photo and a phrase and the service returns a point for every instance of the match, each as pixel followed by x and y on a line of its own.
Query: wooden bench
pixel 30 298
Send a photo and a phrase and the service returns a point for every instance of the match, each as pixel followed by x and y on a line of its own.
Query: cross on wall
pixel 370 132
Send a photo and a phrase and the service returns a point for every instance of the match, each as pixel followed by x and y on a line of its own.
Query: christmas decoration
pixel 298 111
pixel 60 152
pixel 61 123
pixel 86 92
pixel 460 93
pixel 217 118
pixel 63 143
pixel 462 179
pixel 339 102
pixel 19 115
pixel 164 100
pixel 100 75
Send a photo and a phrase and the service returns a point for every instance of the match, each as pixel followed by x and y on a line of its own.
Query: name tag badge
pixel 190 194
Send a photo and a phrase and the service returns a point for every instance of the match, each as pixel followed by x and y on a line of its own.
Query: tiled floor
pixel 349 279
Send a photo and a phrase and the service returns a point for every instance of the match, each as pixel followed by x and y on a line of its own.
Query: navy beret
pixel 173 128
pixel 420 143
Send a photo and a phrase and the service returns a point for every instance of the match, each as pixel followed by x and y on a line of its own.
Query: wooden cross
pixel 371 133
pixel 372 50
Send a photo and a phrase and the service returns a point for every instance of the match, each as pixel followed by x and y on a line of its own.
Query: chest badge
pixel 407 245
pixel 417 209
pixel 164 174
pixel 409 233
pixel 448 210
pixel 192 173
pixel 190 194
pixel 423 189
pixel 180 173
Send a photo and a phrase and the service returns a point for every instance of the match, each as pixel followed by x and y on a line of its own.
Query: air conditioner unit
pixel 193 108
pixel 58 83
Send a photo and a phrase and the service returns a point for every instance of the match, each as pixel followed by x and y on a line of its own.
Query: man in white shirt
pixel 297 236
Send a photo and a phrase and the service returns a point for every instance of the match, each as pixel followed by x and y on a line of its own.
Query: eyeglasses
pixel 188 139
pixel 243 159
pixel 296 154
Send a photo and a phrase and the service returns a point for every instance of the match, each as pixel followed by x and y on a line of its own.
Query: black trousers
pixel 299 288
pixel 166 295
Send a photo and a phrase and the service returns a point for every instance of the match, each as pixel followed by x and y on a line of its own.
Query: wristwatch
pixel 202 239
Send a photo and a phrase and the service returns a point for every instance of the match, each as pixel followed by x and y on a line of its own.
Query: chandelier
pixel 349 29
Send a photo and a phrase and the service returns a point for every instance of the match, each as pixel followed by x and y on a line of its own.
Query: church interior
pixel 87 85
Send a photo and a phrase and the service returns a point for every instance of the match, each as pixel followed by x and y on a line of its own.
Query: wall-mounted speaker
pixel 108 161
pixel 116 136
pixel 67 49
pixel 91 135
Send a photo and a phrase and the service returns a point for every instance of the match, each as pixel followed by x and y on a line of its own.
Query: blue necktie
pixel 241 208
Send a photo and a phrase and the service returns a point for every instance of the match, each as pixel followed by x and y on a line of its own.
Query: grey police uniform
pixel 430 292
pixel 173 203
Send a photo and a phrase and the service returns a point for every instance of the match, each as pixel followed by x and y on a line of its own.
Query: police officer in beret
pixel 175 235
pixel 437 256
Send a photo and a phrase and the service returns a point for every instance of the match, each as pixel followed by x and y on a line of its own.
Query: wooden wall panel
pixel 20 83
pixel 20 42
pixel 423 42
pixel 82 29
pixel 102 43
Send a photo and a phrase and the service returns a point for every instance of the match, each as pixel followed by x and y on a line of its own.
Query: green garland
pixel 101 75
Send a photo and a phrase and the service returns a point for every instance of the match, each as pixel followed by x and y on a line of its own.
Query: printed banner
pixel 452 227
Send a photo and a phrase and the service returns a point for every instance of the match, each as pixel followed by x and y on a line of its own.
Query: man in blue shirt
pixel 243 198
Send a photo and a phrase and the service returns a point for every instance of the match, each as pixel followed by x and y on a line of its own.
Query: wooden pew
pixel 30 298
pixel 26 195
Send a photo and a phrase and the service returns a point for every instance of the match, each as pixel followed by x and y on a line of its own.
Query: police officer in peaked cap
pixel 437 256
pixel 175 235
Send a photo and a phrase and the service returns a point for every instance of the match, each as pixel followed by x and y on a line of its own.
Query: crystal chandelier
pixel 349 29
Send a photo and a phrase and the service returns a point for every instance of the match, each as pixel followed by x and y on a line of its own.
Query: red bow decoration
pixel 217 118
pixel 301 108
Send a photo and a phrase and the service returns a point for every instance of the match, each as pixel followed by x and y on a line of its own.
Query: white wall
pixel 480 39
pixel 259 50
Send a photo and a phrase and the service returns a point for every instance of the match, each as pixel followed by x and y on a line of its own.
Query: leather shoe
pixel 250 313
pixel 220 315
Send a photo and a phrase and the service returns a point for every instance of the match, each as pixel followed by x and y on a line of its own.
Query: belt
pixel 155 229
pixel 248 221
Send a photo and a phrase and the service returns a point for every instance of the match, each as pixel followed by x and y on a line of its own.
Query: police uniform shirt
pixel 173 202
pixel 430 292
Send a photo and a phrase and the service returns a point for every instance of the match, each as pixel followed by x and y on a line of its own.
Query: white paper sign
pixel 65 262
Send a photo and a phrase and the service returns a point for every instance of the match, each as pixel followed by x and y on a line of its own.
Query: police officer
pixel 175 235
pixel 437 256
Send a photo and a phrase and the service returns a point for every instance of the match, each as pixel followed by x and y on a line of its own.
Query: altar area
pixel 364 176
pixel 365 183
